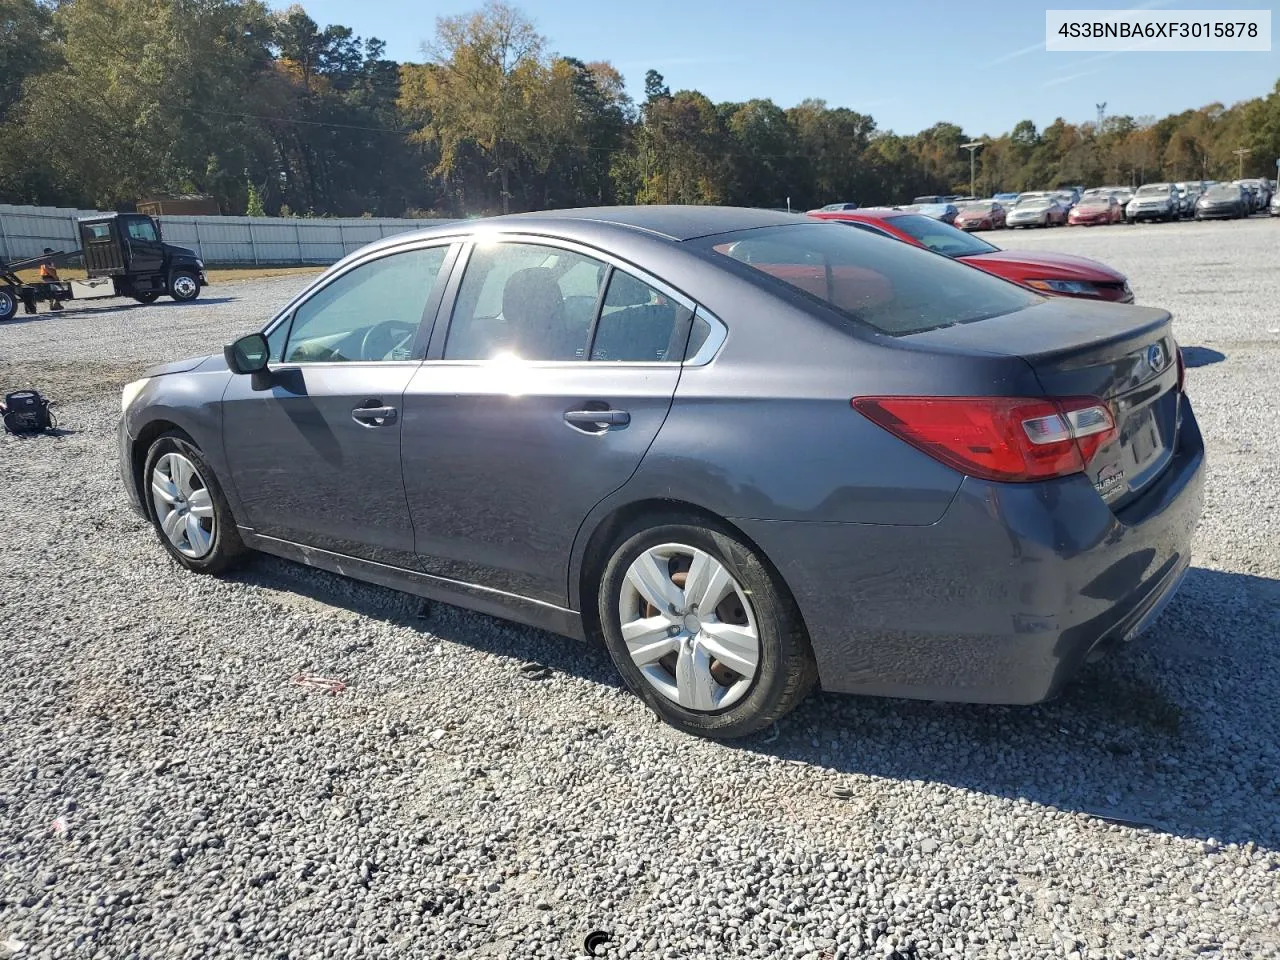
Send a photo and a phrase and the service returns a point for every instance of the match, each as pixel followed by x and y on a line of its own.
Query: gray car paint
pixel 912 579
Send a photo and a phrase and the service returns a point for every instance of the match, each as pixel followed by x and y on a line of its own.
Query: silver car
pixel 1154 201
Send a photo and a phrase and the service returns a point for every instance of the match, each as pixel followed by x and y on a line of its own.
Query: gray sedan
pixel 752 452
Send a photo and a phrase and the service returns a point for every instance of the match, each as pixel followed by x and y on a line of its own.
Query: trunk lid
pixel 1123 355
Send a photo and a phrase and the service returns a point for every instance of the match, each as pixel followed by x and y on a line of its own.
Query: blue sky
pixel 909 63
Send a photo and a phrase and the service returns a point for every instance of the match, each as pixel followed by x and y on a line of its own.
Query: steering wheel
pixel 386 336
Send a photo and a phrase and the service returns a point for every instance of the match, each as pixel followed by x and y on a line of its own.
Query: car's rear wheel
pixel 702 629
pixel 187 507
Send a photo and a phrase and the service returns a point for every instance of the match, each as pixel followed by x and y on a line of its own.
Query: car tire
pixel 184 286
pixel 150 297
pixel 8 304
pixel 719 701
pixel 185 503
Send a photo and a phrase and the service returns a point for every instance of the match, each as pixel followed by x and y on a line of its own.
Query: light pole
pixel 1241 153
pixel 972 147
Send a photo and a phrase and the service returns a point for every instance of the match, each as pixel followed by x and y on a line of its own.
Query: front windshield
pixel 1034 203
pixel 893 287
pixel 1095 202
pixel 1222 193
pixel 1154 190
pixel 985 207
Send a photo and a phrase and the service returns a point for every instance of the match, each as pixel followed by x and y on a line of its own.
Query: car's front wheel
pixel 702 629
pixel 187 507
pixel 8 304
pixel 183 286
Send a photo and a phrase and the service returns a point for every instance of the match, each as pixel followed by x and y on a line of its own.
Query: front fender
pixel 191 402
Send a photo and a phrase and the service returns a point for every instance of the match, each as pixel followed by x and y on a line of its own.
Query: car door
pixel 313 447
pixel 553 377
pixel 146 253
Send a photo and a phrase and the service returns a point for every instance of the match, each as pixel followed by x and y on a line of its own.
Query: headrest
pixel 532 296
pixel 626 291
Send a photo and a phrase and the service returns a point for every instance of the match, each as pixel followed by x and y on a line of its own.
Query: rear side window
pixel 639 324
pixel 528 300
pixel 894 288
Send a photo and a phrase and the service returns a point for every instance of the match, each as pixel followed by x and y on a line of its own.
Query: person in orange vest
pixel 49 274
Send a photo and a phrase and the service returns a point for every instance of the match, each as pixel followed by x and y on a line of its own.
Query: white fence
pixel 26 231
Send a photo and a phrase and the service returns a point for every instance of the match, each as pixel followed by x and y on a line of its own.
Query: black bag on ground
pixel 25 411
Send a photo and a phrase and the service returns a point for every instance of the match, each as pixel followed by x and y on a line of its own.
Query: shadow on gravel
pixel 1179 734
pixel 70 312
pixel 52 434
pixel 322 589
pixel 1201 356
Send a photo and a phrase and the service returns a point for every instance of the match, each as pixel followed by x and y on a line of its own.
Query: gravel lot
pixel 166 791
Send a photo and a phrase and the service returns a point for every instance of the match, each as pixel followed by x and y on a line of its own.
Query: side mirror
pixel 248 354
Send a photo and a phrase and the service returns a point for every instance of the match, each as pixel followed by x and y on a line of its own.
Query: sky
pixel 908 63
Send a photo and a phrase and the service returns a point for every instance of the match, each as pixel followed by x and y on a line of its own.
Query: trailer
pixel 124 255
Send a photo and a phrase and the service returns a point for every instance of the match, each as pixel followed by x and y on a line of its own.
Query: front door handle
pixel 374 416
pixel 596 421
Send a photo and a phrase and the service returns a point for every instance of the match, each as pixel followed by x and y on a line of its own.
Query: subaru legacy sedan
pixel 750 451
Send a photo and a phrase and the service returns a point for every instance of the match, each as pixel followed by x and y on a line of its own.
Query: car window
pixel 639 324
pixel 941 237
pixel 370 313
pixel 892 287
pixel 532 301
pixel 142 230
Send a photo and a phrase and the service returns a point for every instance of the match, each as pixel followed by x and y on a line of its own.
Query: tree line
pixel 106 102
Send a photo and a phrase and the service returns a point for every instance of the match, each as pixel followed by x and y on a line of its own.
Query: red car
pixel 981 215
pixel 1095 210
pixel 1050 274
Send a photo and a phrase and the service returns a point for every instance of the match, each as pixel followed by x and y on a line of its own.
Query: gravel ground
pixel 166 791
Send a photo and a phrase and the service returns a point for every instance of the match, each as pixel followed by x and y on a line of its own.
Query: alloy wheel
pixel 184 508
pixel 184 286
pixel 689 627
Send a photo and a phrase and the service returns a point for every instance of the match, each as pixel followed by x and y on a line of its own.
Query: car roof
pixel 675 222
pixel 864 213
pixel 605 225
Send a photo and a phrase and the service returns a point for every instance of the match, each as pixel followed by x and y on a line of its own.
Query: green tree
pixel 480 88
pixel 254 207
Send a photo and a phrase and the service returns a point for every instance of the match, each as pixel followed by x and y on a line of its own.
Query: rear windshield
pixel 941 237
pixel 893 287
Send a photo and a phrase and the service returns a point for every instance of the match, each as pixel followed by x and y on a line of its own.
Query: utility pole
pixel 1241 153
pixel 972 147
pixel 1102 115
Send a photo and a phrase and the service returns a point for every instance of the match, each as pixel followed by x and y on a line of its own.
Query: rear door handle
pixel 372 416
pixel 600 420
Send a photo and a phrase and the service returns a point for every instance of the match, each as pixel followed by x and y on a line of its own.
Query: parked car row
pixel 1074 206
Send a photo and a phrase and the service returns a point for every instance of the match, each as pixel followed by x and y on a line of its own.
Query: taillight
pixel 1182 371
pixel 1012 439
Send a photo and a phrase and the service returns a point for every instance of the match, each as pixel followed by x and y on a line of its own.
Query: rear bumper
pixel 1000 601
pixel 124 464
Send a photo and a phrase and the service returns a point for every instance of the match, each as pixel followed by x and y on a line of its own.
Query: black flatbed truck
pixel 124 255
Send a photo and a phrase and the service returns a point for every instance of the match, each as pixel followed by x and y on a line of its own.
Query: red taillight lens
pixel 1182 372
pixel 1013 439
